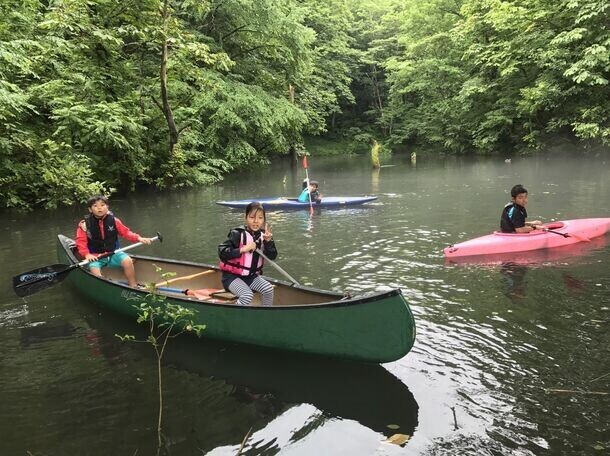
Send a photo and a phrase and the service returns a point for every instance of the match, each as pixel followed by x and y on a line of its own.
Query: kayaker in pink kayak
pixel 514 213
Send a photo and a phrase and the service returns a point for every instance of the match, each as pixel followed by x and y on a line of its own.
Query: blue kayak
pixel 293 203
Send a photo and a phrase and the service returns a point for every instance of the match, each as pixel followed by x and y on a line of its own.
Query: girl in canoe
pixel 240 262
pixel 514 213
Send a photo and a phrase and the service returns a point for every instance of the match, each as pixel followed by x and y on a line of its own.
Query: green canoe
pixel 376 327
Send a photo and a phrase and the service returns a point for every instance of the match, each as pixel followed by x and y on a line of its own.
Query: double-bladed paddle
pixel 31 282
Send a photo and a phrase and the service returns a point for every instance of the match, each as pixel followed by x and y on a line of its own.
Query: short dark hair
pixel 517 190
pixel 313 182
pixel 95 198
pixel 255 206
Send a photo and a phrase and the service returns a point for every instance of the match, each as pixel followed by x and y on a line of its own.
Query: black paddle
pixel 567 235
pixel 31 282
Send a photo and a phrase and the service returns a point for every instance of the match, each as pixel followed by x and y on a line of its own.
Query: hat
pixel 313 182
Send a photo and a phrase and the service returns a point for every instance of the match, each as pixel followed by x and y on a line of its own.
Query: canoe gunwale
pixel 340 302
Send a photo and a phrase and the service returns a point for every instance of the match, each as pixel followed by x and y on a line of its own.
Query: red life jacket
pixel 250 263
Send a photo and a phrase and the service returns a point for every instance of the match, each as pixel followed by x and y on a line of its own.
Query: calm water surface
pixel 493 339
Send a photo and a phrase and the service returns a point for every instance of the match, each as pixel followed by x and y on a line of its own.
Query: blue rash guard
pixel 304 197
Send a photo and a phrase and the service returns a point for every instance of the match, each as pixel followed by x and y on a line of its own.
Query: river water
pixel 495 342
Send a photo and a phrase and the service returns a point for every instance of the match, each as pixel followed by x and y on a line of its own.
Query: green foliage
pixel 324 91
pixel 82 110
pixel 80 93
pixel 244 121
pixel 492 74
pixel 165 320
pixel 352 142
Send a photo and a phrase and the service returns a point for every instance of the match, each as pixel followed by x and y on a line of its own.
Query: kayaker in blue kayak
pixel 240 263
pixel 310 190
pixel 514 213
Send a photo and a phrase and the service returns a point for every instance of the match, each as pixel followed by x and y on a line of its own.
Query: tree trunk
pixel 165 106
pixel 377 90
pixel 293 150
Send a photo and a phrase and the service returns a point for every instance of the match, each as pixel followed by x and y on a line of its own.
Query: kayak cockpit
pixel 550 226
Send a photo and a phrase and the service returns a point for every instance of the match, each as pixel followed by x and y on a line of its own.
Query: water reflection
pixel 514 267
pixel 43 332
pixel 268 383
pixel 375 180
pixel 514 278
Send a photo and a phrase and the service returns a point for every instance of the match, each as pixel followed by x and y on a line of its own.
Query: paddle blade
pixel 305 162
pixel 31 282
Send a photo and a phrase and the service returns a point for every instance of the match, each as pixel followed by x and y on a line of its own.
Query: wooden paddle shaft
pixel 177 279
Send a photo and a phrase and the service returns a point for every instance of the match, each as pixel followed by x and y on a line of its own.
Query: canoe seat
pixel 211 294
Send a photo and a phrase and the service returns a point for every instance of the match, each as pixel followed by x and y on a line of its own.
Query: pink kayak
pixel 564 254
pixel 564 233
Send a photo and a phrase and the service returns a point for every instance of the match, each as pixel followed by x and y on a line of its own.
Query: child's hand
pixel 268 234
pixel 249 247
pixel 90 257
pixel 144 240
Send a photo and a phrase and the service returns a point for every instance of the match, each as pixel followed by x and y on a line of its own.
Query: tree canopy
pixel 98 95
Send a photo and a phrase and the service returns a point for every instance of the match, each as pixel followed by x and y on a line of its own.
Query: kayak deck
pixel 293 203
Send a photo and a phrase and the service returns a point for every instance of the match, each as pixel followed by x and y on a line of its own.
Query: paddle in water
pixel 28 283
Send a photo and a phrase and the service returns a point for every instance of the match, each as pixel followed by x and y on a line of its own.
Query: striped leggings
pixel 244 292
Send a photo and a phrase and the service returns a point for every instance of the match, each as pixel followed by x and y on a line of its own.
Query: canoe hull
pixel 502 243
pixel 376 328
pixel 292 203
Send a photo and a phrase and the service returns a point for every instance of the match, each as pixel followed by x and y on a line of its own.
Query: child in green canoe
pixel 240 261
pixel 99 232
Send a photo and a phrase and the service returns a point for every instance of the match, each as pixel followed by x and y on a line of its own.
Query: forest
pixel 109 95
